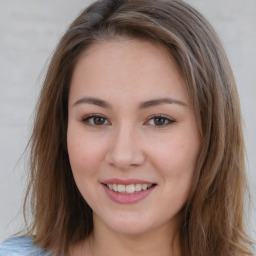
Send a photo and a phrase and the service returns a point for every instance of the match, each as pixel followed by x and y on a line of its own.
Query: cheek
pixel 176 162
pixel 85 154
pixel 176 157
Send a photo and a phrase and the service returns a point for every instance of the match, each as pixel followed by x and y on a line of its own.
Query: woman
pixel 137 147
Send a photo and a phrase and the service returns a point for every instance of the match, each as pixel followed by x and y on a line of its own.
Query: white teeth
pixel 144 186
pixel 114 187
pixel 121 188
pixel 128 189
pixel 138 187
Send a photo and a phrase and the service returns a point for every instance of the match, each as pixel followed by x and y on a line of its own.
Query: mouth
pixel 128 189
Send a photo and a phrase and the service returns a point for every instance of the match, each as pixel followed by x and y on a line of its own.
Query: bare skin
pixel 125 134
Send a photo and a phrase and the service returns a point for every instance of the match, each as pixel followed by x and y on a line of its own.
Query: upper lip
pixel 126 181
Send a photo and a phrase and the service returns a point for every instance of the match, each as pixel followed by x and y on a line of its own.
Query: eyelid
pixel 88 117
pixel 169 119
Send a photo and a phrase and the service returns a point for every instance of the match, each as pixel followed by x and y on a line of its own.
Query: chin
pixel 131 229
pixel 131 225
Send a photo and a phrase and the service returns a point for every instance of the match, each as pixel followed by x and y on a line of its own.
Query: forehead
pixel 127 67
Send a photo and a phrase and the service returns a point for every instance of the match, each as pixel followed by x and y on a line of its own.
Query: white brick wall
pixel 29 31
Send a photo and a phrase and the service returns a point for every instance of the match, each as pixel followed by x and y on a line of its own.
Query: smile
pixel 128 189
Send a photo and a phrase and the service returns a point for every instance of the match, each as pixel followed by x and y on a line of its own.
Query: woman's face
pixel 133 139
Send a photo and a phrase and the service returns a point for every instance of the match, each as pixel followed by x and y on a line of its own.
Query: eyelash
pixel 166 119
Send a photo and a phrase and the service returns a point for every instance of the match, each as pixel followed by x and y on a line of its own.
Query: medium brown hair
pixel 213 222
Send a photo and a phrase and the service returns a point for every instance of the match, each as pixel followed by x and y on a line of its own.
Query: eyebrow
pixel 142 105
pixel 93 101
pixel 155 102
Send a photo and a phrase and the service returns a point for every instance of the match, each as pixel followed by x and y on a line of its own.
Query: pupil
pixel 159 121
pixel 98 120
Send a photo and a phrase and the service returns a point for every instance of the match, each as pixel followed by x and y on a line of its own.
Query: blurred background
pixel 29 32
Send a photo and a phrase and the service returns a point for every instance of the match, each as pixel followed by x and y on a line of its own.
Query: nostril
pixel 125 158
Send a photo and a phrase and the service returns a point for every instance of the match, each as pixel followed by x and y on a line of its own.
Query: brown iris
pixel 98 120
pixel 159 121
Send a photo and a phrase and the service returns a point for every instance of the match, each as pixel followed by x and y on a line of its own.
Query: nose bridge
pixel 125 149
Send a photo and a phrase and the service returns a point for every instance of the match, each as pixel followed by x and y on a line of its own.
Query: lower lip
pixel 127 198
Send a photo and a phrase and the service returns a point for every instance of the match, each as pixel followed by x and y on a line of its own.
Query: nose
pixel 125 150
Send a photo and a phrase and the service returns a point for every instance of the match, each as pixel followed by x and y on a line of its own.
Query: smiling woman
pixel 135 158
pixel 137 147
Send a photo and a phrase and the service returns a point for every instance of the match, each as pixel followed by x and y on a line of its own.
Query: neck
pixel 105 242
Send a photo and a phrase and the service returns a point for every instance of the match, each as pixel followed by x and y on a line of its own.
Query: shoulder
pixel 20 246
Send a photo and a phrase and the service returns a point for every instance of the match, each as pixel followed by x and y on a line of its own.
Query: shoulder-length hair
pixel 213 214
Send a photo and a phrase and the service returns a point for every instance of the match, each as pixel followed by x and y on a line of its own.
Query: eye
pixel 95 120
pixel 160 121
